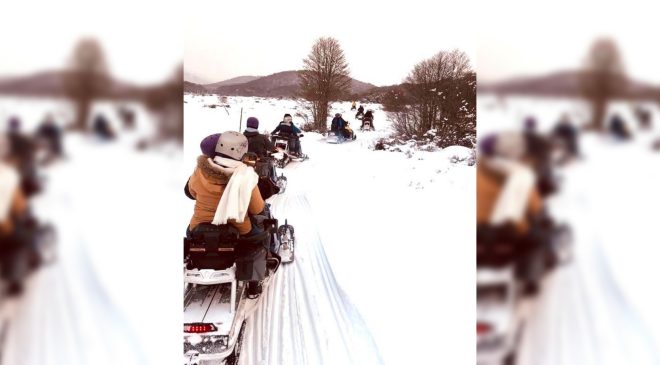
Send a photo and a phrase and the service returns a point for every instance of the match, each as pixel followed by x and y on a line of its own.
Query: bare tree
pixel 442 99
pixel 603 78
pixel 165 101
pixel 324 78
pixel 86 79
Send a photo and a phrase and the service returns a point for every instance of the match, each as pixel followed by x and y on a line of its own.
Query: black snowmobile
pixel 31 246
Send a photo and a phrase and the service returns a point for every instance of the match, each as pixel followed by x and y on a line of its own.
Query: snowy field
pixel 114 250
pixel 379 236
pixel 602 308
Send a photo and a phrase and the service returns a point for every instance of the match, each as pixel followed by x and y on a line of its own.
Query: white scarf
pixel 512 200
pixel 9 180
pixel 235 199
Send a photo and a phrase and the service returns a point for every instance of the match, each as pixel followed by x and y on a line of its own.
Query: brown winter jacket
pixel 206 186
pixel 489 186
pixel 18 208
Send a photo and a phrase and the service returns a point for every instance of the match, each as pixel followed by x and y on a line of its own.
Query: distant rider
pixel 260 145
pixel 368 116
pixel 257 143
pixel 286 128
pixel 360 112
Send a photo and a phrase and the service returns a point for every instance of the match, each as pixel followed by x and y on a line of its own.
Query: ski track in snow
pixel 600 308
pixel 304 317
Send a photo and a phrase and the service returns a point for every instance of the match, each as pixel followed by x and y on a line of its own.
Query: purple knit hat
pixel 14 124
pixel 487 145
pixel 208 144
pixel 253 122
pixel 530 123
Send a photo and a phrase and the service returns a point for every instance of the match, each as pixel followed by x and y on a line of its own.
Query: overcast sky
pixel 382 40
pixel 143 42
pixel 557 36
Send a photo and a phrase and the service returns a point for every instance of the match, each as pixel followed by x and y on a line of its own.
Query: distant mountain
pixel 234 81
pixel 562 83
pixel 193 78
pixel 51 83
pixel 191 87
pixel 281 84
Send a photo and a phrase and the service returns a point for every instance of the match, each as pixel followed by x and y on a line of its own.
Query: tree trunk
pixel 82 114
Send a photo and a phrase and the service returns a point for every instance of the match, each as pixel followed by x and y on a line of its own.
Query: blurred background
pixel 568 125
pixel 91 134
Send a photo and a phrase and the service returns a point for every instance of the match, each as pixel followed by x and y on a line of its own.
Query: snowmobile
pixel 501 290
pixel 367 125
pixel 217 303
pixel 340 136
pixel 35 248
pixel 285 154
pixel 499 320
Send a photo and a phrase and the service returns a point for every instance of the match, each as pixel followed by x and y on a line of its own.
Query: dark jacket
pixel 361 109
pixel 21 148
pixel 258 143
pixel 338 123
pixel 369 116
pixel 53 135
pixel 283 128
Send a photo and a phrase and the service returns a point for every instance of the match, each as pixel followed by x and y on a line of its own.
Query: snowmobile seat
pixel 497 246
pixel 217 247
pixel 220 247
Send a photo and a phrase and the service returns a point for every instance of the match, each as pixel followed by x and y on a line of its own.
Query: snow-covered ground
pixel 602 308
pixel 108 298
pixel 378 237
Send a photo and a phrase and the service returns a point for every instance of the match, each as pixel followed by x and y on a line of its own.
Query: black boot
pixel 14 289
pixel 253 289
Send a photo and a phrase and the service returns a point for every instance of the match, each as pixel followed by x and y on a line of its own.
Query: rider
pixel 338 125
pixel 359 112
pixel 225 192
pixel 288 129
pixel 13 206
pixel 567 133
pixel 353 106
pixel 508 202
pixel 22 156
pixel 261 146
pixel 51 134
pixel 618 128
pixel 257 143
pixel 368 116
pixel 538 155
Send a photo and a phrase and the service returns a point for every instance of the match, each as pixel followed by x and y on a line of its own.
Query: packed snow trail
pixel 304 317
pixel 587 312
